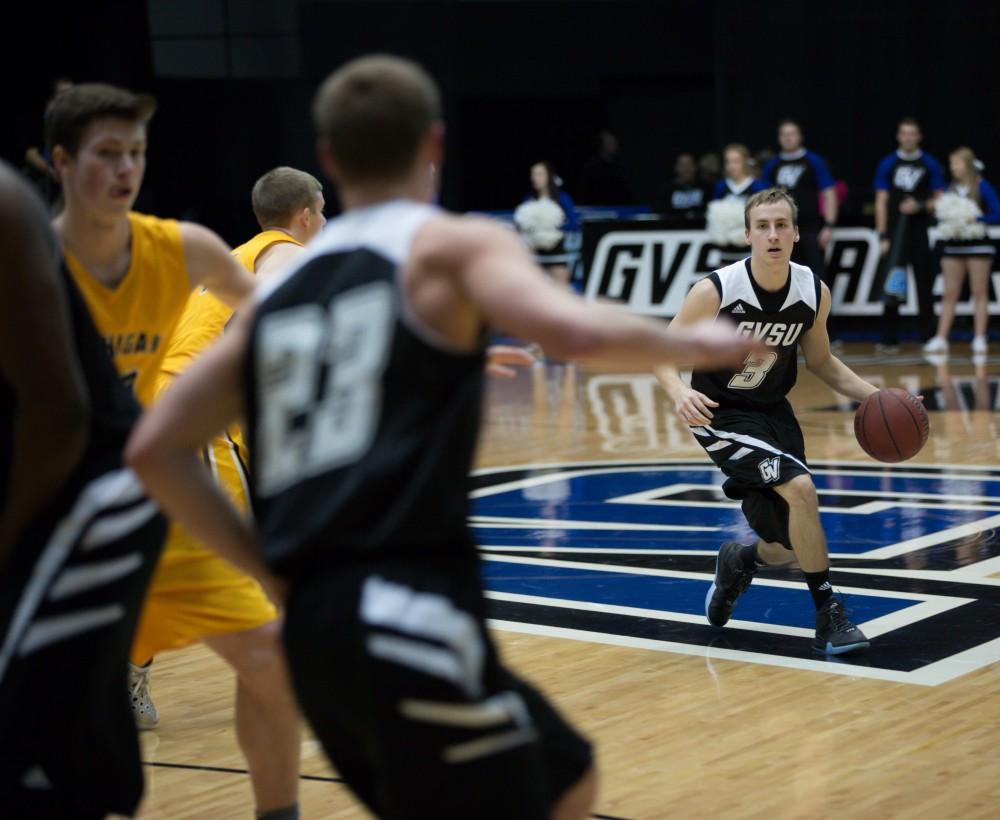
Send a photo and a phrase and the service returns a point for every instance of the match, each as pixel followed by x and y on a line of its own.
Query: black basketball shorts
pixel 757 450
pixel 70 597
pixel 396 673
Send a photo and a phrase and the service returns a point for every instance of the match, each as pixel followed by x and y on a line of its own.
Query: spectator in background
pixel 709 169
pixel 685 197
pixel 544 217
pixel 805 176
pixel 603 181
pixel 963 214
pixel 739 180
pixel 907 183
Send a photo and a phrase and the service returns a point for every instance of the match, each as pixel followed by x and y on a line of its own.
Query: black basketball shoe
pixel 835 634
pixel 731 580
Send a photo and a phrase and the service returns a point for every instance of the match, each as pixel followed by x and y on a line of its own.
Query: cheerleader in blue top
pixel 740 181
pixel 963 214
pixel 543 219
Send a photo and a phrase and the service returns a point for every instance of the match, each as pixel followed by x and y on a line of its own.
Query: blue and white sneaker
pixel 835 634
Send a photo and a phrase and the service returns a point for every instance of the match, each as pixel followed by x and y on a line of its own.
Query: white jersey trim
pixel 737 287
pixel 387 229
pixel 802 288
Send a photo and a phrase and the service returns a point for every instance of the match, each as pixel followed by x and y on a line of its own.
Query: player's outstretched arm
pixel 821 361
pixel 37 360
pixel 502 283
pixel 692 407
pixel 164 452
pixel 210 265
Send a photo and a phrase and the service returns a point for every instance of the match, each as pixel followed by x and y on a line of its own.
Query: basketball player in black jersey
pixel 745 423
pixel 359 373
pixel 78 540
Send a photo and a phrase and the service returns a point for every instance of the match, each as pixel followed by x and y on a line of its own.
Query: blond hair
pixel 770 196
pixel 281 193
pixel 968 156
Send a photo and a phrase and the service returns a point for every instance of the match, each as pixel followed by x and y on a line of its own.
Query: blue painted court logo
pixel 623 553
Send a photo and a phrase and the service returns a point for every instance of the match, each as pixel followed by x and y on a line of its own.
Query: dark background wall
pixel 522 80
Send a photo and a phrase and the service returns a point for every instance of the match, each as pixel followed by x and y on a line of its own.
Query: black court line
pixel 326 779
pixel 227 770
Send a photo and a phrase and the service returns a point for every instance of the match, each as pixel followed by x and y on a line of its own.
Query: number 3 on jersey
pixel 319 384
pixel 755 368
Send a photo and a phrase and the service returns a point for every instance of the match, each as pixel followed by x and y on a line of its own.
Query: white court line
pixel 980 569
pixel 596 550
pixel 932 675
pixel 641 612
pixel 575 524
pixel 941 575
pixel 934 538
pixel 615 569
pixel 853 556
pixel 900 499
pixel 974 470
pixel 872 628
pixel 962 663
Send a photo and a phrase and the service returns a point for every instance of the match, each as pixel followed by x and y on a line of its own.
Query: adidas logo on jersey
pixel 738 309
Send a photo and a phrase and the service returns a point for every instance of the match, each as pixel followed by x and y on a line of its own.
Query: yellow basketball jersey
pixel 138 317
pixel 205 316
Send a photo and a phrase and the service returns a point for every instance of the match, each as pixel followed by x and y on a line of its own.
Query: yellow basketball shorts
pixel 194 592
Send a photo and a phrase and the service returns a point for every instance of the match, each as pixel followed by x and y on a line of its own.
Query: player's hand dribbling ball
pixel 891 425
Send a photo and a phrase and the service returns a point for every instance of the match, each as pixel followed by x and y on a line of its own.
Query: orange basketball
pixel 891 425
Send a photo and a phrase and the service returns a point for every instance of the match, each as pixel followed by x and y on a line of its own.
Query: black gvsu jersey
pixel 361 427
pixel 779 319
pixel 113 409
pixel 70 594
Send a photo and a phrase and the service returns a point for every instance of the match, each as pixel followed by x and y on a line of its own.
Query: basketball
pixel 891 425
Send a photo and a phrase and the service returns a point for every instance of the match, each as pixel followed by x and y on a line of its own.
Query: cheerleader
pixel 740 181
pixel 544 218
pixel 724 219
pixel 963 213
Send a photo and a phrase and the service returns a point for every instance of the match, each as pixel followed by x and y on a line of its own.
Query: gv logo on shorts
pixel 770 469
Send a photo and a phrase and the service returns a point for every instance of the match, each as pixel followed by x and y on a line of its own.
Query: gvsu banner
pixel 650 268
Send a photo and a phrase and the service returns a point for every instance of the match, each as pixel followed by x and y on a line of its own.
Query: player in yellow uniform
pixel 134 271
pixel 197 596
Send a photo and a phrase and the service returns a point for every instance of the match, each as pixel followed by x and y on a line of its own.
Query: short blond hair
pixel 770 196
pixel 373 113
pixel 281 193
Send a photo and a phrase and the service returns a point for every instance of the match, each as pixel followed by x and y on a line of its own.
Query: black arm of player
pixel 37 361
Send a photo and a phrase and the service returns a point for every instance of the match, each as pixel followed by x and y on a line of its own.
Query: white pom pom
pixel 724 222
pixel 539 221
pixel 956 216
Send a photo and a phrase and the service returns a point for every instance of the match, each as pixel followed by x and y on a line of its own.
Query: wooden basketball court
pixel 601 518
